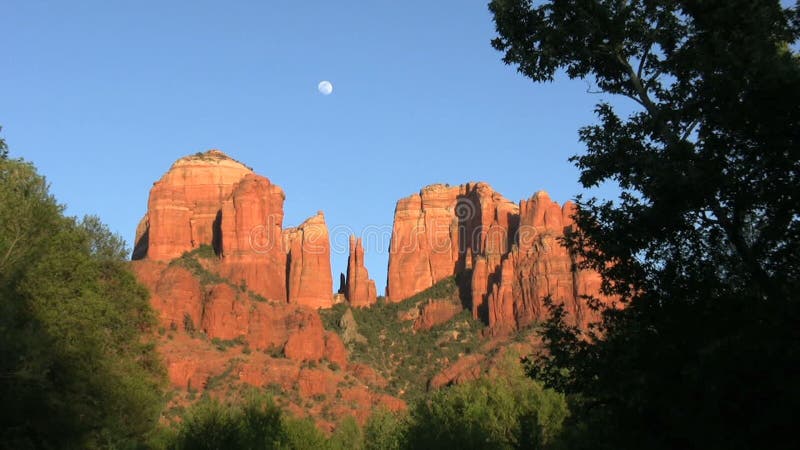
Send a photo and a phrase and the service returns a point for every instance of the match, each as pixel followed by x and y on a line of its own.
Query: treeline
pixel 508 412
pixel 77 369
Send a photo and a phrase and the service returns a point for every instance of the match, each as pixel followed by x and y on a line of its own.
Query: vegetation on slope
pixel 408 359
pixel 503 413
pixel 193 262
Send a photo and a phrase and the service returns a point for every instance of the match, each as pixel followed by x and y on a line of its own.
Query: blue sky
pixel 104 95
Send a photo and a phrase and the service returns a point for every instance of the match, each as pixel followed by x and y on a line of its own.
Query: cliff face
pixel 513 252
pixel 435 231
pixel 184 204
pixel 308 249
pixel 212 199
pixel 248 309
pixel 246 312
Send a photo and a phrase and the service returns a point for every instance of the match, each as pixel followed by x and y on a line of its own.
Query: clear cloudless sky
pixel 104 95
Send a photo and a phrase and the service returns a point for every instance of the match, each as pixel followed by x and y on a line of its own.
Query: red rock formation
pixel 306 344
pixel 513 251
pixel 212 323
pixel 308 247
pixel 223 311
pixel 501 300
pixel 368 375
pixel 479 288
pixel 465 369
pixel 436 312
pixel 543 266
pixel 176 296
pixel 184 203
pixel 212 199
pixel 421 250
pixel 225 314
pixel 359 288
pixel 335 351
pixel 250 234
pixel 435 229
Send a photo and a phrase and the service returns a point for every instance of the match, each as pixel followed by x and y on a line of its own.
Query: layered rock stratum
pixel 359 289
pixel 512 252
pixel 211 199
pixel 238 296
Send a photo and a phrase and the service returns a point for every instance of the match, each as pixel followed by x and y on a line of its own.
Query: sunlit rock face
pixel 184 204
pixel 509 256
pixel 434 229
pixel 211 199
pixel 359 289
pixel 310 281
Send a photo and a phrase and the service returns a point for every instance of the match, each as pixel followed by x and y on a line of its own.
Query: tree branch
pixel 760 276
pixel 643 60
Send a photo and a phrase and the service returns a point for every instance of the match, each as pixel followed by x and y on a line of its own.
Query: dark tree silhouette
pixel 702 245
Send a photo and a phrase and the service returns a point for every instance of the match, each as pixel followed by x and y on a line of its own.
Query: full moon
pixel 325 88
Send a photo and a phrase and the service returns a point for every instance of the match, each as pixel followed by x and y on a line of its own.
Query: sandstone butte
pixel 266 285
pixel 209 198
pixel 508 256
pixel 512 252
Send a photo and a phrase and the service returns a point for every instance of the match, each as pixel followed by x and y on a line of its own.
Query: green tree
pixel 385 430
pixel 77 368
pixel 103 243
pixel 702 246
pixel 503 413
pixel 347 436
pixel 258 424
pixel 302 434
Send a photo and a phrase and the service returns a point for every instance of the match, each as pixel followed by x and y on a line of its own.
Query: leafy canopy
pixel 77 368
pixel 501 412
pixel 702 245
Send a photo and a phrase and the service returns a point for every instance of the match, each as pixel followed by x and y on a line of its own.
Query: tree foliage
pixel 258 424
pixel 385 430
pixel 511 411
pixel 702 246
pixel 76 370
pixel 503 413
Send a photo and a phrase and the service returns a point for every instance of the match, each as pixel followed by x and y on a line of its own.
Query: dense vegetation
pixel 505 413
pixel 76 366
pixel 702 246
pixel 408 359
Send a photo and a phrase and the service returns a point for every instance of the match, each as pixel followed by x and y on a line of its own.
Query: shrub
pixel 501 413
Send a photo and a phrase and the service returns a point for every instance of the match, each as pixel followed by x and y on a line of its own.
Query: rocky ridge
pixel 512 251
pixel 239 297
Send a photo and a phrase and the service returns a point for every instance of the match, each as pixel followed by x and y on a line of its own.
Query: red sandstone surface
pixel 275 344
pixel 359 288
pixel 211 199
pixel 513 251
pixel 261 288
